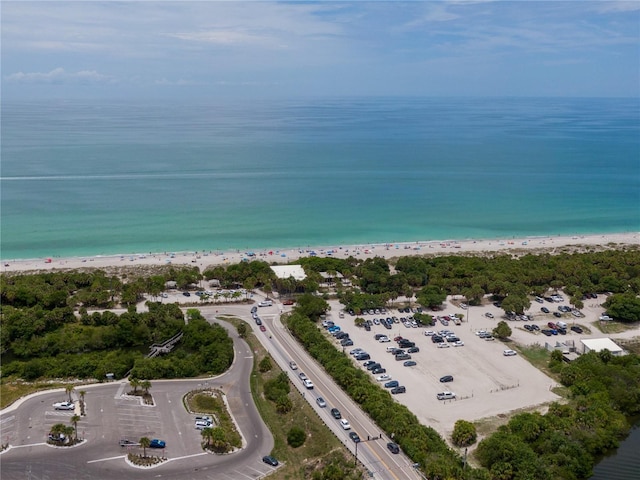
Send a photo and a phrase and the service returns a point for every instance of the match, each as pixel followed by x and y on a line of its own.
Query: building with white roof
pixel 599 344
pixel 286 271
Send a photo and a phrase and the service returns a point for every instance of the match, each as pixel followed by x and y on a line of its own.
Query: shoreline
pixel 204 259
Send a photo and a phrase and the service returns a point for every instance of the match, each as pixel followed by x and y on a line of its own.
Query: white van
pixel 561 325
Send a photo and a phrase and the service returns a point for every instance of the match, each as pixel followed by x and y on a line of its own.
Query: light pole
pixel 369 439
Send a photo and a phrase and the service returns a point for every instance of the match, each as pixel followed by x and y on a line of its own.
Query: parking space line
pixel 106 459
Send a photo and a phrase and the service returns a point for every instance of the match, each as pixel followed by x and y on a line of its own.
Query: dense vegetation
pixel 566 442
pixel 421 443
pixel 511 280
pixel 48 332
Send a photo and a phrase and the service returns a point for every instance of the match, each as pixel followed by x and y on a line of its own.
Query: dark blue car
pixel 155 443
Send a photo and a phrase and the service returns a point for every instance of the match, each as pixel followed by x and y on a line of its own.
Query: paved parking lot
pixel 486 382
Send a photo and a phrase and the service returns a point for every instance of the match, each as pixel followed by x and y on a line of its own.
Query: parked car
pixel 557 314
pixel 445 396
pixel 155 443
pixel 446 378
pixel 363 356
pixel 391 384
pixel 393 447
pixel 488 315
pixel 576 329
pixel 379 370
pixel 409 363
pixel 403 356
pixel 269 460
pixel 383 377
pixel 335 413
pixel 64 406
pixel 346 342
pixel 413 350
pixel 123 443
pixel 544 309
pixel 509 353
pixel 443 345
pixel 399 389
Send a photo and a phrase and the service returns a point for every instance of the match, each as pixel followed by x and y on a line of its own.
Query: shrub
pixel 296 437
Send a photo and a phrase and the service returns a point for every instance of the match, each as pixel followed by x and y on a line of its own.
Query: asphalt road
pixel 112 416
pixel 372 453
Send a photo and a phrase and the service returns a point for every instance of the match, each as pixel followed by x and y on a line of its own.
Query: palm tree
pixel 207 434
pixel 57 429
pixel 75 419
pixel 144 443
pixel 68 389
pixel 135 383
pixel 146 385
pixel 82 393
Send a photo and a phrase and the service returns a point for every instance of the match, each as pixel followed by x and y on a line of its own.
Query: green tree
pixel 265 364
pixel 135 383
pixel 207 434
pixel 431 296
pixel 502 330
pixel 68 389
pixel 624 307
pixel 74 420
pixel 464 433
pixel 145 385
pixel 242 329
pixel 296 437
pixel 145 442
pixel 218 439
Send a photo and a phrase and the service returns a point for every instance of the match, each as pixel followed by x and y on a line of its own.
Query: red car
pixel 397 339
pixel 262 328
pixel 552 325
pixel 287 302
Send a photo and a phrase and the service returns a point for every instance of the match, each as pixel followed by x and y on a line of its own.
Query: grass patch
pixel 612 327
pixel 211 401
pixel 538 356
pixel 12 390
pixel 321 447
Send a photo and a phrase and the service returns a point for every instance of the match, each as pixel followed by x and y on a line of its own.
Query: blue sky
pixel 268 49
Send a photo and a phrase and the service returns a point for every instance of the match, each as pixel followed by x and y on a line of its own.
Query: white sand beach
pixel 204 259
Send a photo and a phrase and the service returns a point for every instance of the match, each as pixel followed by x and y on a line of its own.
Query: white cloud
pixel 59 75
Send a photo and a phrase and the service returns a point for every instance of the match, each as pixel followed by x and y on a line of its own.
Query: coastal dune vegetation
pixel 57 325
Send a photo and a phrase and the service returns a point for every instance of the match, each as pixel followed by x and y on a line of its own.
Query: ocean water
pixel 88 178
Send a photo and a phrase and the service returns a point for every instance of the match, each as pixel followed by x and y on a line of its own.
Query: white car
pixel 64 406
pixel 308 383
pixel 488 315
pixel 446 395
pixel 509 353
pixel 429 333
pixel 344 423
pixel 443 345
pixel 383 377
pixel 459 343
pixel 384 340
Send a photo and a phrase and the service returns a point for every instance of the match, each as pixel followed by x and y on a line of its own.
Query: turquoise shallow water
pixel 85 178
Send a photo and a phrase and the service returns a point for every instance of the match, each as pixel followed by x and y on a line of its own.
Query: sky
pixel 229 49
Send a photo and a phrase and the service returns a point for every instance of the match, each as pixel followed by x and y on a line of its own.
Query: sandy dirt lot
pixel 486 382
